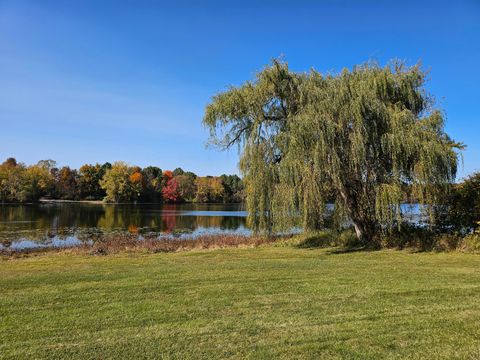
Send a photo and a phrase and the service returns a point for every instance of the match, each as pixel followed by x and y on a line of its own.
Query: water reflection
pixel 66 224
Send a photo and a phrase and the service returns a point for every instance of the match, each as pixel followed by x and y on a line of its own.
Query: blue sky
pixel 95 81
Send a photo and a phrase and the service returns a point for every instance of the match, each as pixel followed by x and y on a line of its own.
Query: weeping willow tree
pixel 358 138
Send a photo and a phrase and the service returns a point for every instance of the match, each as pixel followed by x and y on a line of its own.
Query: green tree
pixel 89 181
pixel 233 188
pixel 116 183
pixel 361 134
pixel 178 171
pixel 153 178
pixel 39 180
pixel 19 183
pixel 460 210
pixel 186 187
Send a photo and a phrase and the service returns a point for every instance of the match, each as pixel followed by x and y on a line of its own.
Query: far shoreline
pixel 101 202
pixel 46 201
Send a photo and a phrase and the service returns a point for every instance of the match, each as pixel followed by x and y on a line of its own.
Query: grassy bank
pixel 264 302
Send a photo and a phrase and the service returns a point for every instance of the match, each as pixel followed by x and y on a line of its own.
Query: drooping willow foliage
pixel 359 138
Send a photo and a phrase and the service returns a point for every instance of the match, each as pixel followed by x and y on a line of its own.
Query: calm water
pixel 65 224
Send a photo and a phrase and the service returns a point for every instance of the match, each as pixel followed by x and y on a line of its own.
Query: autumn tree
pixel 89 181
pixel 202 192
pixel 361 134
pixel 216 189
pixel 209 189
pixel 12 181
pixel 116 183
pixel 10 162
pixel 186 186
pixel 136 181
pixel 39 180
pixel 123 183
pixel 66 183
pixel 20 183
pixel 170 191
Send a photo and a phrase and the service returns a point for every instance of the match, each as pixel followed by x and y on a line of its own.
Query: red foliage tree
pixel 170 191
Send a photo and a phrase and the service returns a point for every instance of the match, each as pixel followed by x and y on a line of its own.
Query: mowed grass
pixel 262 303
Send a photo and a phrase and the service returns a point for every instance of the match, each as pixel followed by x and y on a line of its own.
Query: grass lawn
pixel 266 302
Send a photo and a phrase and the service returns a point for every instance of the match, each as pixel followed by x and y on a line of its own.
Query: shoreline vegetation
pixel 345 241
pixel 53 201
pixel 113 183
pixel 130 243
pixel 101 202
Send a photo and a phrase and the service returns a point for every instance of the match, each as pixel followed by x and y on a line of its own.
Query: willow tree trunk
pixel 366 232
pixel 362 218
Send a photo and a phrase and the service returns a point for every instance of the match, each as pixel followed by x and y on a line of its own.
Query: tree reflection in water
pixel 50 223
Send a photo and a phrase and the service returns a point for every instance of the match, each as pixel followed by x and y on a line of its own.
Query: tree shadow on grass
pixel 352 249
pixel 342 243
pixel 315 242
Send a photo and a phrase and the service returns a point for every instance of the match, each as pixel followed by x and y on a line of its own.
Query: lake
pixel 67 224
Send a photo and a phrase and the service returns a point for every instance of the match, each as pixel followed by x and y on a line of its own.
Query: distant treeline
pixel 117 182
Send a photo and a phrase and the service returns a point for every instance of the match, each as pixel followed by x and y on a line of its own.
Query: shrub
pixel 410 235
pixel 447 242
pixel 461 208
pixel 347 238
pixel 471 242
